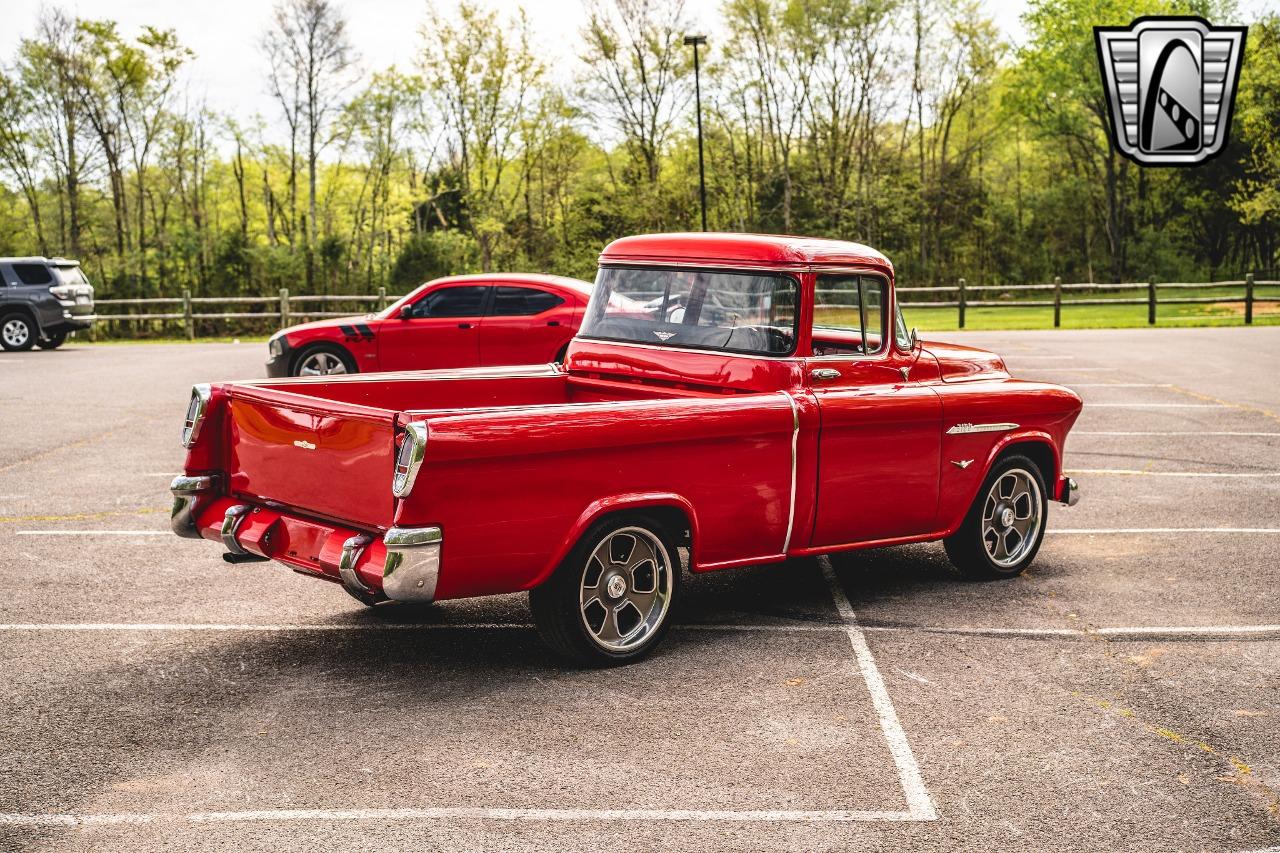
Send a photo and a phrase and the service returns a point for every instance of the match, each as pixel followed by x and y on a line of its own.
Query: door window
pixel 848 315
pixel 522 302
pixel 465 301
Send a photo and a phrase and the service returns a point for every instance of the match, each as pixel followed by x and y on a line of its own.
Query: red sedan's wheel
pixel 323 360
pixel 610 601
pixel 1005 526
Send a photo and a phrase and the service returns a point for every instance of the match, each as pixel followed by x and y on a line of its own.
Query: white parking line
pixel 1196 432
pixel 1172 530
pixel 1158 406
pixel 466 813
pixel 1120 385
pixel 1133 472
pixel 93 533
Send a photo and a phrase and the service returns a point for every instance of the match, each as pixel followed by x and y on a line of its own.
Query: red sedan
pixel 462 321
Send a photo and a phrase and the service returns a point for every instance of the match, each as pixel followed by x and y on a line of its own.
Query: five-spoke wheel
pixel 609 601
pixel 323 360
pixel 1005 526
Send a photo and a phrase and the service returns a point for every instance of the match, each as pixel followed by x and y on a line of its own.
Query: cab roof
pixel 747 249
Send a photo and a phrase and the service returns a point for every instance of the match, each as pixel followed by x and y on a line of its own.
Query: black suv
pixel 41 301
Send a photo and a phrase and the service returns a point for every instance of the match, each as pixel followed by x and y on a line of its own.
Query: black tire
pixel 561 618
pixel 52 341
pixel 971 548
pixel 320 351
pixel 18 332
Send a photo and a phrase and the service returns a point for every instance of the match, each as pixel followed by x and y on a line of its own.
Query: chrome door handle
pixel 824 373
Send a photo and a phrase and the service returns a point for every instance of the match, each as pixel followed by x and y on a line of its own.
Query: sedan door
pixel 525 325
pixel 880 442
pixel 441 329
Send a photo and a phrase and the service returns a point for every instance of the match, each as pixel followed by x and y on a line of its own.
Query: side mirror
pixel 915 338
pixel 405 312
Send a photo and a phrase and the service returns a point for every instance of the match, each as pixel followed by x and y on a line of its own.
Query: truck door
pixel 880 440
pixel 440 329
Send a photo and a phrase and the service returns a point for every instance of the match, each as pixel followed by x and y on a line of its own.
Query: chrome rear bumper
pixel 188 495
pixel 412 564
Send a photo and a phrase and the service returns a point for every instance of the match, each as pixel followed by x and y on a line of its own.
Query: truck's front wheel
pixel 1005 526
pixel 610 601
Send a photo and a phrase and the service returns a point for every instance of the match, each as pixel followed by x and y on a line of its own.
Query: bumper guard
pixel 412 565
pixel 188 495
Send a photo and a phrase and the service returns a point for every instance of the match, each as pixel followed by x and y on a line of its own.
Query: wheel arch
pixel 25 310
pixel 303 350
pixel 1036 445
pixel 674 512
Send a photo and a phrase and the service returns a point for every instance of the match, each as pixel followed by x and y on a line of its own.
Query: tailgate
pixel 320 457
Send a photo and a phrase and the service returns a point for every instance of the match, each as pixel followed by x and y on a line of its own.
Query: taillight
pixel 409 458
pixel 195 414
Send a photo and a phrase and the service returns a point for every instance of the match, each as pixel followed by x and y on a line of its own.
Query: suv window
pixel 467 301
pixel 851 303
pixel 33 273
pixel 522 301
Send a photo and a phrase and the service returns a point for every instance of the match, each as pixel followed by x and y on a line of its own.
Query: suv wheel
pixel 323 360
pixel 610 601
pixel 17 332
pixel 52 341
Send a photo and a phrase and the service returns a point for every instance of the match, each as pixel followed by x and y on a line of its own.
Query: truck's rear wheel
pixel 17 332
pixel 1005 526
pixel 610 601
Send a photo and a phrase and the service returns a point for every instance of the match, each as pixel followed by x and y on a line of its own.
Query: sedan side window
pixel 451 302
pixel 849 315
pixel 522 302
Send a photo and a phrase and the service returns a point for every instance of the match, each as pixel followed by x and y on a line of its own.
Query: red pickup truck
pixel 748 398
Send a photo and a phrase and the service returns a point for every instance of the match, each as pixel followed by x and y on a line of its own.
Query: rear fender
pixel 615 504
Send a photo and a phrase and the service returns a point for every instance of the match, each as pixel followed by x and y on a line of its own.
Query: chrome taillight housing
pixel 409 458
pixel 195 414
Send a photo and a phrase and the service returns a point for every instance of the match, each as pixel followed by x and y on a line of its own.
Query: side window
pixel 451 302
pixel 33 273
pixel 852 308
pixel 522 301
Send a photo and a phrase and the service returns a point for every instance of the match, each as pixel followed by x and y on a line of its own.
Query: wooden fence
pixel 286 309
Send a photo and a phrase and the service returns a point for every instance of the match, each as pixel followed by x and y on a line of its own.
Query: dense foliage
pixel 905 124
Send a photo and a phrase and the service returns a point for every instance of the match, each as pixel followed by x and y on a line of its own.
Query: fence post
pixel 1057 301
pixel 284 307
pixel 962 302
pixel 382 298
pixel 1151 300
pixel 187 321
pixel 1248 299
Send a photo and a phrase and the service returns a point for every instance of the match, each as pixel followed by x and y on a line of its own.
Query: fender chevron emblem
pixel 962 463
pixel 966 429
pixel 305 445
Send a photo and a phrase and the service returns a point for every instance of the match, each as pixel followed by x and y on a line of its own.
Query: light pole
pixel 697 93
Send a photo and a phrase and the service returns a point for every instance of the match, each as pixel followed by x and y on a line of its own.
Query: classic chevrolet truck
pixel 749 398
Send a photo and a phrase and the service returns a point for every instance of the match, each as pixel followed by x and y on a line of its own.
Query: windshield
pixel 702 309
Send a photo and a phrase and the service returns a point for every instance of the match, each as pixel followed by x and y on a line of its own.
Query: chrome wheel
pixel 321 364
pixel 16 333
pixel 625 589
pixel 1011 517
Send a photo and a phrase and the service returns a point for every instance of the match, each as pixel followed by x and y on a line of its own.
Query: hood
pixel 335 324
pixel 960 363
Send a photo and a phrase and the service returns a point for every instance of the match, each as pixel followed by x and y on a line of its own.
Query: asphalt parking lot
pixel 1124 693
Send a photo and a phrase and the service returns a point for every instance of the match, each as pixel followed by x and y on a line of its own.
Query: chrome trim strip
pixel 196 409
pixel 412 566
pixel 406 470
pixel 352 551
pixel 186 502
pixel 795 438
pixel 967 429
pixel 231 526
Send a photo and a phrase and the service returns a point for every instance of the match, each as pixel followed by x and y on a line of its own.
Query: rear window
pixel 522 301
pixel 742 312
pixel 70 275
pixel 32 273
